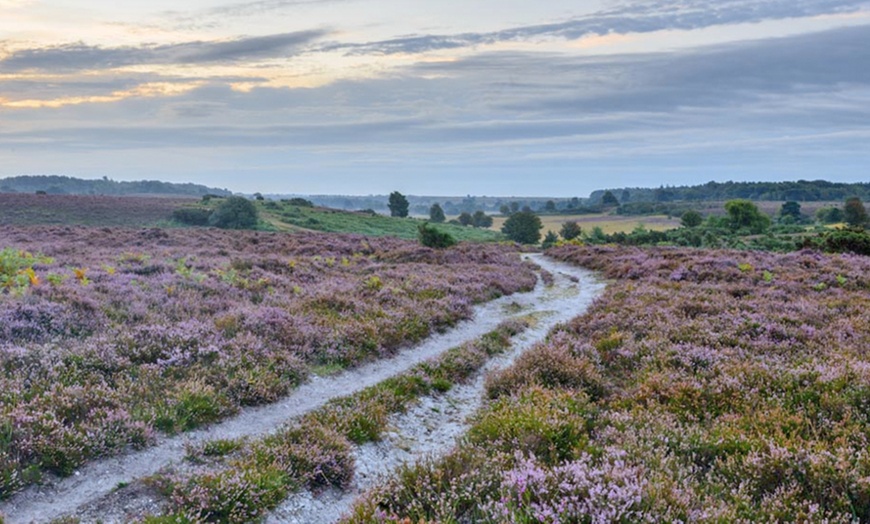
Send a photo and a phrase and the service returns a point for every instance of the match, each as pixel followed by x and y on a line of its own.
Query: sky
pixel 482 97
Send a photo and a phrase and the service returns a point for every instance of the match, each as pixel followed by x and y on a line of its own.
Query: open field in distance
pixel 608 223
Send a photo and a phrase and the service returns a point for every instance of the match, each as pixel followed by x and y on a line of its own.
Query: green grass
pixel 282 215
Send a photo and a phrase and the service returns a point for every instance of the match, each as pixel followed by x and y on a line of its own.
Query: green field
pixel 285 217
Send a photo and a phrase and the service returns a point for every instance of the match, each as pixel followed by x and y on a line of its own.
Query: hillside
pixel 64 185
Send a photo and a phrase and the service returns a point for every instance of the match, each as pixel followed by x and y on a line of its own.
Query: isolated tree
pixel 550 206
pixel 550 240
pixel 436 214
pixel 523 227
pixel 854 212
pixel 434 238
pixel 791 209
pixel 481 219
pixel 691 218
pixel 466 219
pixel 398 204
pixel 743 214
pixel 234 213
pixel 609 199
pixel 571 230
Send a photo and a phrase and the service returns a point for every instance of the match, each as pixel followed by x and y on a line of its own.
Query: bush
pixel 523 227
pixel 192 216
pixel 234 213
pixel 431 237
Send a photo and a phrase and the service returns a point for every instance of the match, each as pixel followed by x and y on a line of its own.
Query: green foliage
pixel 398 205
pixel 372 224
pixel 523 227
pixel 481 219
pixel 465 218
pixel 434 238
pixel 791 209
pixel 609 199
pixel 192 216
pixel 301 202
pixel 829 215
pixel 745 215
pixel 550 240
pixel 16 270
pixel 571 230
pixel 691 218
pixel 234 213
pixel 436 214
pixel 854 212
pixel 849 240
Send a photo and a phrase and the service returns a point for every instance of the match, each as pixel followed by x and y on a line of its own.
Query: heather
pixel 24 209
pixel 109 337
pixel 703 386
pixel 240 481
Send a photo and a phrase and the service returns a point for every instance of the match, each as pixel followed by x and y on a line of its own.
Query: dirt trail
pixel 431 427
pixel 573 290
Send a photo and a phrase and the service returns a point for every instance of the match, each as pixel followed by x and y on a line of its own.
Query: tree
pixel 790 209
pixel 481 219
pixel 743 214
pixel 550 206
pixel 398 204
pixel 515 206
pixel 609 200
pixel 571 230
pixel 466 219
pixel 829 215
pixel 234 213
pixel 436 214
pixel 505 209
pixel 431 237
pixel 854 212
pixel 691 218
pixel 550 240
pixel 523 227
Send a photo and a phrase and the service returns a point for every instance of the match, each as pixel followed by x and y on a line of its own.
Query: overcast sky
pixel 447 97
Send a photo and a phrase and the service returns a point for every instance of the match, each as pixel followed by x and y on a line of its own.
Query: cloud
pixel 637 17
pixel 82 57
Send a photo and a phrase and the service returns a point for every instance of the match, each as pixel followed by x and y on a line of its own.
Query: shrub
pixel 234 213
pixel 523 227
pixel 192 216
pixel 431 237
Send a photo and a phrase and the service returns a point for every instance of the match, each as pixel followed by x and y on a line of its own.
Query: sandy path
pixel 96 481
pixel 431 427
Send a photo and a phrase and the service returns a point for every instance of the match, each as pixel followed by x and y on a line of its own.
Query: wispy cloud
pixel 80 56
pixel 645 17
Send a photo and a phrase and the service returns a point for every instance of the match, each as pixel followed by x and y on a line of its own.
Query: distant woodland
pixel 64 185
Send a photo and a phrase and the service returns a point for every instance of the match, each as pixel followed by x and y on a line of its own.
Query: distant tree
pixel 854 212
pixel 571 230
pixel 434 238
pixel 609 199
pixel 575 203
pixel 515 206
pixel 234 213
pixel 436 214
pixel 829 215
pixel 626 196
pixel 398 205
pixel 299 202
pixel 691 218
pixel 505 209
pixel 791 209
pixel 743 214
pixel 550 206
pixel 481 219
pixel 259 197
pixel 466 219
pixel 550 240
pixel 523 227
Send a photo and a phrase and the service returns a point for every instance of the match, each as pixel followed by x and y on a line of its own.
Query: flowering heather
pixel 122 333
pixel 704 386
